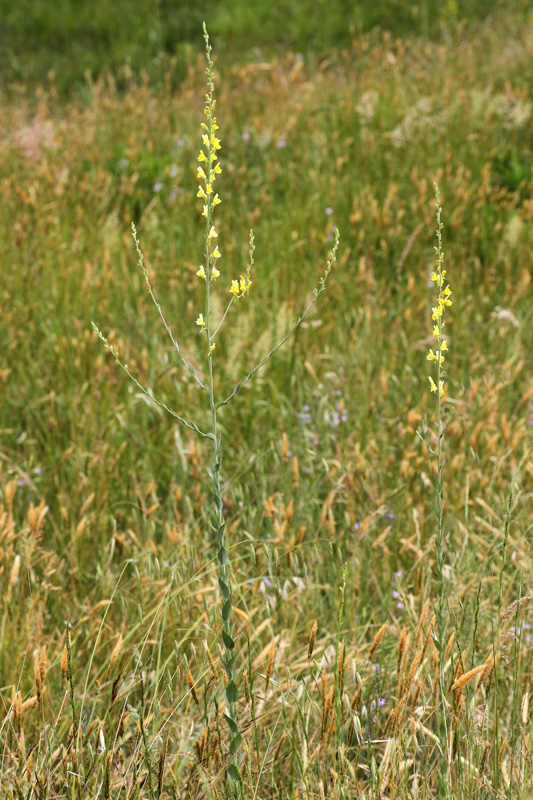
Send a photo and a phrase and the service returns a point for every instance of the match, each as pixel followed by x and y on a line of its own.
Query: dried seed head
pixel 37 674
pixel 401 648
pixel 312 638
pixel 285 448
pixel 192 687
pixel 115 654
pixel 211 661
pixel 270 664
pixel 295 473
pixel 64 663
pixel 15 569
pixel 449 645
pixel 421 621
pixel 43 663
pixel 462 680
pixel 377 639
pixel 17 710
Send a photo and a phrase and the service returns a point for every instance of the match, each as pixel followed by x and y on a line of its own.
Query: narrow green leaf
pixel 228 641
pixel 224 588
pixel 232 693
pixel 232 725
pixel 235 745
pixel 234 773
pixel 226 611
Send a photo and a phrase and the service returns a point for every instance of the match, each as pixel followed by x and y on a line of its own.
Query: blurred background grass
pixel 78 39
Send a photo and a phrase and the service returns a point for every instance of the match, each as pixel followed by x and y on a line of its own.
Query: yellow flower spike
pixel 201 193
pixel 235 288
pixel 200 321
pixel 214 274
pixel 201 273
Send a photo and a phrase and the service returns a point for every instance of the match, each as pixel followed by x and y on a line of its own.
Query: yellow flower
pixel 201 273
pixel 213 157
pixel 235 288
pixel 200 321
pixel 437 312
pixel 431 356
pixel 444 345
pixel 215 143
pixel 432 385
pixel 441 388
pixel 202 156
pixel 200 173
pixel 215 253
pixel 204 212
pixel 216 201
pixel 211 348
pixel 436 331
pixel 205 139
pixel 214 274
pixel 201 193
pixel 217 170
pixel 209 188
pixel 212 233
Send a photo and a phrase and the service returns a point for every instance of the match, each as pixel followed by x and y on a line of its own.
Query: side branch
pixel 145 391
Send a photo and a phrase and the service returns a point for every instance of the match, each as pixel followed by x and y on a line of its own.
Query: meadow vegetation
pixel 379 654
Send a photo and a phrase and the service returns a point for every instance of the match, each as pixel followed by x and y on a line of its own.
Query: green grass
pixel 104 516
pixel 74 41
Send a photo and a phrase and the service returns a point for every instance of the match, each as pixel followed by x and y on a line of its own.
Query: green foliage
pixel 78 39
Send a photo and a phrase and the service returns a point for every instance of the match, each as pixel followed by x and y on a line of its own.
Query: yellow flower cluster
pixel 241 287
pixel 443 301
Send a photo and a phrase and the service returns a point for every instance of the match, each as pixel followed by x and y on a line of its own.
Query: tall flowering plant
pixel 208 170
pixel 438 357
